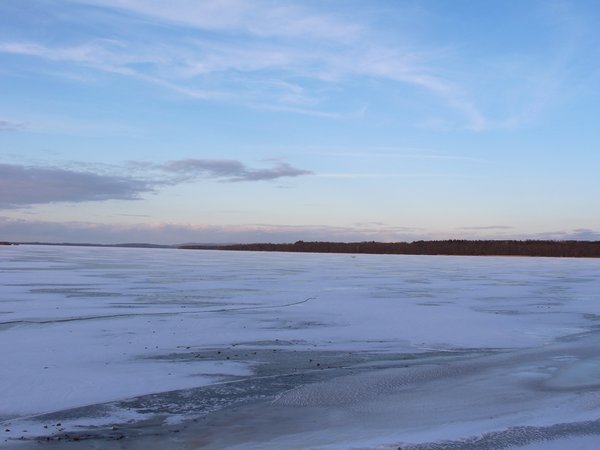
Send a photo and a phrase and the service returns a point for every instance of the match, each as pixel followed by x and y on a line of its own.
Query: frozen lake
pixel 146 348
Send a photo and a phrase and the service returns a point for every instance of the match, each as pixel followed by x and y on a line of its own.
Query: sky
pixel 224 121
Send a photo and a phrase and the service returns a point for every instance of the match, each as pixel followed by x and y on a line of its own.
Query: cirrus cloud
pixel 254 52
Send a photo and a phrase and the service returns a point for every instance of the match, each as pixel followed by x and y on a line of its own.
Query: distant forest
pixel 577 249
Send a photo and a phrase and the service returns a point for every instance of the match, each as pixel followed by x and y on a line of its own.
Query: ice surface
pixel 343 351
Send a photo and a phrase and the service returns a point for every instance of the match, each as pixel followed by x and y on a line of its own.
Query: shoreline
pixel 530 248
pixel 493 248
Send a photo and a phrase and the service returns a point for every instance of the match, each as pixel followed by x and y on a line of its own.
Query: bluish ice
pixel 141 348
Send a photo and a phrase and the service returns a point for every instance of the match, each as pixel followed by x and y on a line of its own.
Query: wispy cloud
pixel 257 17
pixel 487 228
pixel 356 175
pixel 584 234
pixel 399 153
pixel 302 58
pixel 274 56
pixel 5 125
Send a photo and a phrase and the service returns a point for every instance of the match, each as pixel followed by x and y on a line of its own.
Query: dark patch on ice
pixel 276 370
pixel 512 437
pixel 436 303
pixel 77 293
pixel 49 284
pixel 76 436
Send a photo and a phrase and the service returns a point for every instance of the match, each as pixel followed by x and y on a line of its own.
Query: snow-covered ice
pixel 341 351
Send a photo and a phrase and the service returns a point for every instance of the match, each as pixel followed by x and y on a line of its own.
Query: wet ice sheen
pixel 340 351
pixel 579 374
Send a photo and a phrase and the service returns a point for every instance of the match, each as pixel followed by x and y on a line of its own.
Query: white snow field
pixel 157 348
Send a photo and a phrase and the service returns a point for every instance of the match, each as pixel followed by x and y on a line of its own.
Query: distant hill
pixel 576 249
pixel 83 244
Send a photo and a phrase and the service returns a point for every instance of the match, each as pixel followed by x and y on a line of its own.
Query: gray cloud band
pixel 22 185
pixel 19 230
pixel 229 170
pixel 10 126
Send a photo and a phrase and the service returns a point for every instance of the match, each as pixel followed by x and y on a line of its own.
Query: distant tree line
pixel 578 249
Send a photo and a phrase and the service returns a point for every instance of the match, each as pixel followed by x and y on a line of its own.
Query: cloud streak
pixel 20 230
pixel 486 228
pixel 5 125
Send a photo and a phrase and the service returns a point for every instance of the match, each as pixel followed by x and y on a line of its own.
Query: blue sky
pixel 245 120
